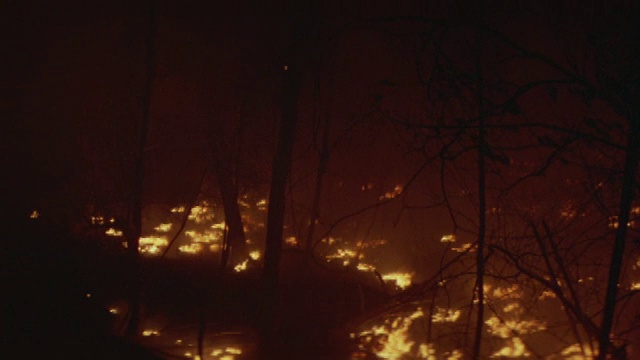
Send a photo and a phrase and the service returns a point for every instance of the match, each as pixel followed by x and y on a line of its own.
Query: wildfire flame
pixel 390 339
pixel 448 238
pixel 402 280
pixel 226 353
pixel 392 194
pixel 113 232
pixel 365 267
pixel 150 332
pixel 291 241
pixel 241 266
pixel 163 227
pixel 506 328
pixel 152 245
pixel 577 352
pixel 190 248
pixel 445 315
pixel 201 213
pixel 515 349
pixel 178 209
pixel 463 248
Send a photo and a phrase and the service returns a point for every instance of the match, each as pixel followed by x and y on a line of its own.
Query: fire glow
pixel 400 279
pixel 391 338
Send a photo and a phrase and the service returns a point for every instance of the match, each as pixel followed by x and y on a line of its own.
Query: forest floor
pixel 68 297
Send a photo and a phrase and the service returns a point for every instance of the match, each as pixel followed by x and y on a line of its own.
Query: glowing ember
pixel 445 315
pixel 516 349
pixel 390 340
pixel 635 286
pixel 547 294
pixel 218 226
pixel 365 267
pixel 402 280
pixel 577 352
pixel 568 210
pixel 511 292
pixel 254 255
pixel 227 353
pixel 463 248
pixel 150 332
pixel 203 237
pixel 513 307
pixel 163 227
pixel 262 204
pixel 97 220
pixel 34 214
pixel 291 241
pixel 233 350
pixel 372 243
pixel 201 213
pixel 190 248
pixel 448 238
pixel 346 255
pixel 113 232
pixel 507 328
pixel 151 245
pixel 369 186
pixel 392 194
pixel 428 351
pixel 329 240
pixel 614 223
pixel 178 209
pixel 241 267
pixel 114 311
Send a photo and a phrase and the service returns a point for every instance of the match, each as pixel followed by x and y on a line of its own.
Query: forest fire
pixel 152 245
pixel 395 337
pixel 445 315
pixel 241 181
pixel 401 280
pixel 390 340
pixel 227 353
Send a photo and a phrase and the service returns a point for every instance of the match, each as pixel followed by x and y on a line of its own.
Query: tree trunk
pixel 615 267
pixel 276 210
pixel 135 214
pixel 234 241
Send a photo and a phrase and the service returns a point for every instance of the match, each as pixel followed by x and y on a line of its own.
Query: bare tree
pixel 134 227
pixel 554 260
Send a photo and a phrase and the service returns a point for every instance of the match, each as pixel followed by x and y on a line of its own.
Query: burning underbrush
pixel 344 298
pixel 200 231
pixel 191 308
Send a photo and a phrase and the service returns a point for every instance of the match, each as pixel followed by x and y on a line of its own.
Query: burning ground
pixel 227 181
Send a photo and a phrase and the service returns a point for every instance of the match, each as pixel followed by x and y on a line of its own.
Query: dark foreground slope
pixel 47 309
